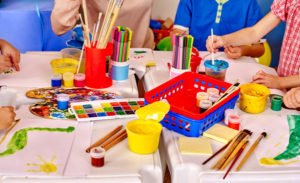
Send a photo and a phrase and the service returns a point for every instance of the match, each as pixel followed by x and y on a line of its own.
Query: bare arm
pixel 252 34
pixel 64 15
pixel 255 50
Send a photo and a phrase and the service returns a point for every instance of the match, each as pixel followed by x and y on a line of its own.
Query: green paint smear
pixel 19 139
pixel 293 148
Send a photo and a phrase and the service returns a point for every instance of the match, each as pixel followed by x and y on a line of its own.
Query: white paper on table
pixel 277 129
pixel 79 162
pixel 138 61
pixel 34 72
pixel 42 146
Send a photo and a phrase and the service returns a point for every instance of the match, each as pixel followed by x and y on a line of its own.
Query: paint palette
pixel 106 109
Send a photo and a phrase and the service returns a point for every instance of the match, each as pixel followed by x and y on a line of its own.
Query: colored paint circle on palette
pixel 48 109
pixel 75 94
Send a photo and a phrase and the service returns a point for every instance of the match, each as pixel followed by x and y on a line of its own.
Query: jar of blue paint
pixel 62 101
pixel 119 70
pixel 56 80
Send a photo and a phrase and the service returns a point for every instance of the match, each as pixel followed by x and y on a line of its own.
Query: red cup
pixel 95 67
pixel 195 60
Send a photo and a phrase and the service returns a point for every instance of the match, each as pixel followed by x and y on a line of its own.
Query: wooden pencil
pixel 105 138
pixel 235 159
pixel 252 148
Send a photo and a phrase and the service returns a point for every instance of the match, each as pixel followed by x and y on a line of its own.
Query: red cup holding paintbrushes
pixel 95 67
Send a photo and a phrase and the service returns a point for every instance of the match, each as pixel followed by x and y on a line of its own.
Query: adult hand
pixel 212 45
pixel 268 80
pixel 292 98
pixel 233 52
pixel 5 63
pixel 10 51
pixel 7 116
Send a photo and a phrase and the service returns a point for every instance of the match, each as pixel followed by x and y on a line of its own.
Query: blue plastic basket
pixel 184 117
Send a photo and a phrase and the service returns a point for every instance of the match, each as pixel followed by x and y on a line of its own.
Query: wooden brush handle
pixel 122 135
pixel 105 138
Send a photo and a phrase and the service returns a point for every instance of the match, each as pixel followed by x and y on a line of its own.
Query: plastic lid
pixel 63 97
pixel 214 97
pixel 205 104
pixel 155 111
pixel 97 152
pixel 56 76
pixel 233 118
pixel 202 95
pixel 68 76
pixel 79 76
pixel 218 66
pixel 212 91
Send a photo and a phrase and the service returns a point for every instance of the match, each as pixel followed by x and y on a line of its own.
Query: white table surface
pixel 188 168
pixel 121 165
pixel 36 73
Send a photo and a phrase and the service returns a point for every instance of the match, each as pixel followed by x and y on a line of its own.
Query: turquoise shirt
pixel 224 16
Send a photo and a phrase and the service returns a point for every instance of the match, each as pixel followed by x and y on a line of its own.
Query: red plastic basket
pixel 184 116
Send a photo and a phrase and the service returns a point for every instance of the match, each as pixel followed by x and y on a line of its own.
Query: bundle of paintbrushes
pixel 100 37
pixel 121 41
pixel 182 50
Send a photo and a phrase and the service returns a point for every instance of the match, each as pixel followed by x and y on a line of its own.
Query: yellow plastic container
pixel 144 133
pixel 253 98
pixel 68 78
pixel 63 65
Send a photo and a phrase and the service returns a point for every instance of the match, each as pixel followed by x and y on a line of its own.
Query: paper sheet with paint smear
pixel 275 143
pixel 37 147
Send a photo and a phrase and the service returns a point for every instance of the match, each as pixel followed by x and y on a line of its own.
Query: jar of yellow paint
pixel 144 133
pixel 63 65
pixel 253 98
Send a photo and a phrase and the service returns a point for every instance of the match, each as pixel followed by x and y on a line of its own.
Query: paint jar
pixel 212 91
pixel 234 121
pixel 201 96
pixel 95 67
pixel 176 72
pixel 119 70
pixel 227 113
pixel 68 78
pixel 62 101
pixel 276 102
pixel 253 98
pixel 79 80
pixel 56 80
pixel 214 98
pixel 204 105
pixel 216 70
pixel 97 156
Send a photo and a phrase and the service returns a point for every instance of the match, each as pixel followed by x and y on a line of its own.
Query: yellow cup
pixel 68 78
pixel 253 98
pixel 63 65
pixel 143 136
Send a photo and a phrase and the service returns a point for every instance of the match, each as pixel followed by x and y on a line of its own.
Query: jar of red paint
pixel 97 156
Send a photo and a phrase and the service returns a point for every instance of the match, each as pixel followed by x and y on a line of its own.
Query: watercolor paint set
pixel 106 109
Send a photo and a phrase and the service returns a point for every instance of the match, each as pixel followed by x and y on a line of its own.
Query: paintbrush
pixel 222 148
pixel 230 149
pixel 9 129
pixel 105 138
pixel 236 158
pixel 252 148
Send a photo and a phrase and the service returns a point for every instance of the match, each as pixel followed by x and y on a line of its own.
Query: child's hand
pixel 233 52
pixel 5 63
pixel 177 31
pixel 268 80
pixel 213 47
pixel 292 98
pixel 10 51
pixel 7 116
